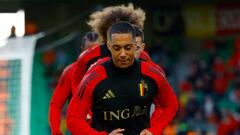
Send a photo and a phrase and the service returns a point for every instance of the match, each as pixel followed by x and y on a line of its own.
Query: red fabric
pixel 234 60
pixel 166 99
pixel 233 65
pixel 158 109
pixel 98 62
pixel 208 44
pixel 219 67
pixel 223 129
pixel 59 97
pixel 227 12
pixel 158 68
pixel 49 57
pixel 67 85
pixel 227 126
pixel 220 85
pixel 80 105
pixel 237 43
pixel 82 62
pixel 157 113
pixel 144 56
pixel 185 86
pixel 94 65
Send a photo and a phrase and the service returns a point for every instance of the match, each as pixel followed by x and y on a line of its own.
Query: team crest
pixel 143 87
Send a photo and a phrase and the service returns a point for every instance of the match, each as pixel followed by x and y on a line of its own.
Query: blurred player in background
pixel 140 45
pixel 63 90
pixel 89 40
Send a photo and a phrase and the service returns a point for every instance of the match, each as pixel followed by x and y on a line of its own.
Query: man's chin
pixel 123 65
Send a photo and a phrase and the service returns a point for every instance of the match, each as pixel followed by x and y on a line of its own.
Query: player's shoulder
pixel 69 68
pixel 145 56
pixel 99 62
pixel 90 52
pixel 155 65
pixel 151 69
pixel 72 65
pixel 98 72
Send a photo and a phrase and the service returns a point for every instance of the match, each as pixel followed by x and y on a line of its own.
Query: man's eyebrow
pixel 128 45
pixel 120 45
pixel 115 45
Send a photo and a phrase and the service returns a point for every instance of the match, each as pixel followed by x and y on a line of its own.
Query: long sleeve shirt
pixel 121 98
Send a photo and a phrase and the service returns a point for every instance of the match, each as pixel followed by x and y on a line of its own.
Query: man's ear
pixel 108 45
pixel 143 46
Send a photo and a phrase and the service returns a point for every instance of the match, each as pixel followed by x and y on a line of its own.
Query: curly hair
pixel 100 21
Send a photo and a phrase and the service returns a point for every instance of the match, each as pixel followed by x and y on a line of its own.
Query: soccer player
pixel 63 90
pixel 120 92
pixel 89 40
pixel 140 45
pixel 100 21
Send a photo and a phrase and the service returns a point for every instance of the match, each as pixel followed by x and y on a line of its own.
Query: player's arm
pixel 80 106
pixel 158 109
pixel 145 56
pixel 159 68
pixel 79 71
pixel 156 114
pixel 59 97
pixel 98 62
pixel 82 65
pixel 167 100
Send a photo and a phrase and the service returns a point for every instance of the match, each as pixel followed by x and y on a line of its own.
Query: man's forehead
pixel 139 39
pixel 120 39
pixel 121 35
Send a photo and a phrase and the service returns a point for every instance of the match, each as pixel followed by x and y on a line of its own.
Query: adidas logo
pixel 109 95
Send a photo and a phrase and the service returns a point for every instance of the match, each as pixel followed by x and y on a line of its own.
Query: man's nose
pixel 123 53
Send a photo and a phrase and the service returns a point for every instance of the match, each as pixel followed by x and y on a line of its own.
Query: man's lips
pixel 122 61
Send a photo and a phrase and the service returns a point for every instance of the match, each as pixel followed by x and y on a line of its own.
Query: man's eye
pixel 137 47
pixel 128 48
pixel 116 48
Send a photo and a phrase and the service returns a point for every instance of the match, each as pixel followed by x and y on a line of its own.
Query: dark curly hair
pixel 100 21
